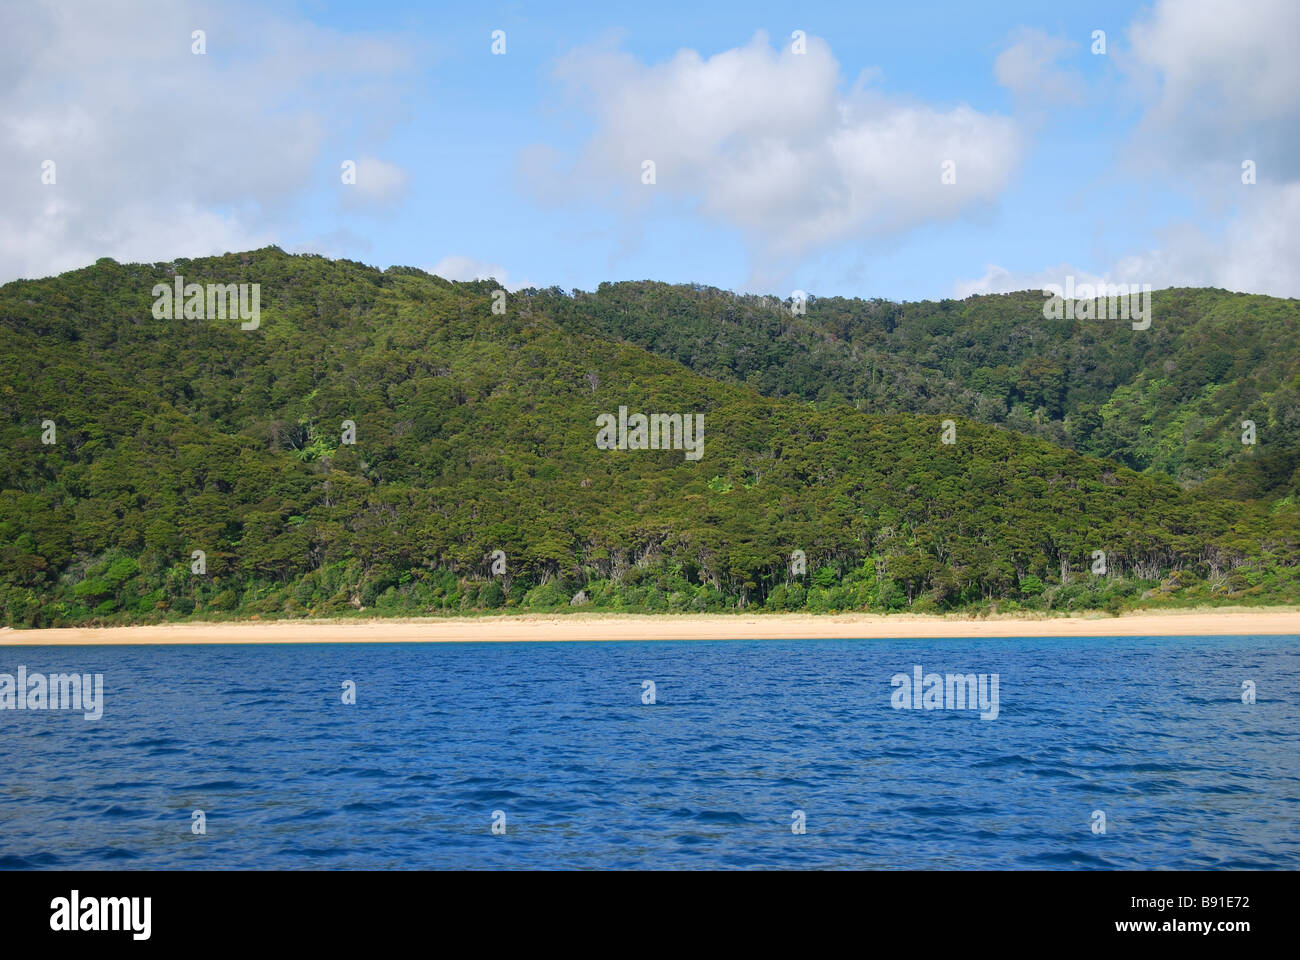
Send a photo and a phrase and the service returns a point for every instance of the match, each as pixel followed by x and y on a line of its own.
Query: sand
pixel 580 626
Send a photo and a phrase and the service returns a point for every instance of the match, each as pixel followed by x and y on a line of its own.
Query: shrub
pixel 491 596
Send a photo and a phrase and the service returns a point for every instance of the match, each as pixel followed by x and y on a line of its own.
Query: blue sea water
pixel 1150 731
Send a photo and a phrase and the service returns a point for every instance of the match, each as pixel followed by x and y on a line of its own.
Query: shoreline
pixel 1222 621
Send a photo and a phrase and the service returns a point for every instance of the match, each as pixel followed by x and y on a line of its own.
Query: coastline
pixel 1223 621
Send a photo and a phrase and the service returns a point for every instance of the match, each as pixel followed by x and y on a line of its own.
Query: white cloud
pixel 1257 252
pixel 377 182
pixel 459 268
pixel 998 279
pixel 1029 70
pixel 766 141
pixel 160 152
pixel 1219 83
pixel 1225 80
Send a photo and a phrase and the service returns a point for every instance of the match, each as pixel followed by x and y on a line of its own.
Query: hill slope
pixel 476 432
pixel 1170 398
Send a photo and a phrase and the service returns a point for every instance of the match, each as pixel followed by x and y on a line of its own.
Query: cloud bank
pixel 120 140
pixel 768 141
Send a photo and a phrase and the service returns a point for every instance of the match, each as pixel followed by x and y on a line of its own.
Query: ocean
pixel 1105 753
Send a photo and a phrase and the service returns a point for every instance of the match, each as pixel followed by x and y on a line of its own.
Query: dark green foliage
pixel 476 432
pixel 1170 398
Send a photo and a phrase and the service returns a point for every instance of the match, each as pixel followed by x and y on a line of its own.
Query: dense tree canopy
pixel 1170 398
pixel 475 432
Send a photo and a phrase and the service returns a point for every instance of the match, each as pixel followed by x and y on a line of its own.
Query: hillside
pixel 476 432
pixel 1170 398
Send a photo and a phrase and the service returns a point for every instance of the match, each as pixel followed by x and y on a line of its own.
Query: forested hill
pixel 131 443
pixel 1171 397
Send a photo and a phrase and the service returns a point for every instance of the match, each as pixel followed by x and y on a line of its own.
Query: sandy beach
pixel 578 626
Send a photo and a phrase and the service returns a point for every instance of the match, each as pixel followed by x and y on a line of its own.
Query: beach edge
pixel 577 627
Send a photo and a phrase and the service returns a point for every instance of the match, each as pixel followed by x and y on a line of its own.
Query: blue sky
pixel 775 170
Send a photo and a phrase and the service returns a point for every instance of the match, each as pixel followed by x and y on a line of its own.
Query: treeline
pixel 474 483
pixel 1169 398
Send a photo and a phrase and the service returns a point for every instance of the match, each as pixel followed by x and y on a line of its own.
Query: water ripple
pixel 744 740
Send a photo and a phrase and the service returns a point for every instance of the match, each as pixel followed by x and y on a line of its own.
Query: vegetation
pixel 1170 398
pixel 475 433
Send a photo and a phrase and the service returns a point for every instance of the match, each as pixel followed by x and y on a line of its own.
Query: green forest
pixel 167 469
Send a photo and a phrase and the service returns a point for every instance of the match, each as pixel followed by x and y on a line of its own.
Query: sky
pixel 908 151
